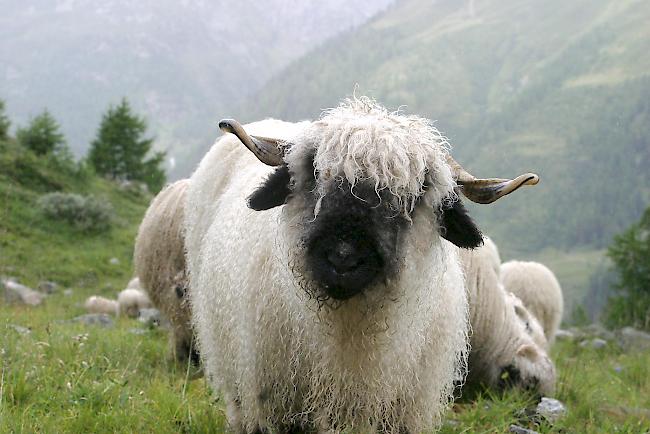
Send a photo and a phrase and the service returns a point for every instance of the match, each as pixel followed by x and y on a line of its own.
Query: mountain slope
pixel 554 87
pixel 182 64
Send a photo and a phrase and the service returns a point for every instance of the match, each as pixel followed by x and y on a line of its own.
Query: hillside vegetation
pixel 562 89
pixel 183 64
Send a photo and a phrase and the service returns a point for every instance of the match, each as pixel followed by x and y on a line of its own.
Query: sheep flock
pixel 328 278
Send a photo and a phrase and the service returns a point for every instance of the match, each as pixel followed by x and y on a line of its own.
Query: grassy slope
pixel 64 377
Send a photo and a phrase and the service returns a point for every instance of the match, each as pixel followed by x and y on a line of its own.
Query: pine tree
pixel 4 122
pixel 42 135
pixel 120 149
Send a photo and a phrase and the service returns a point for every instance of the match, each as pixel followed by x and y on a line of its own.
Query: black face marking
pixel 457 227
pixel 274 191
pixel 353 242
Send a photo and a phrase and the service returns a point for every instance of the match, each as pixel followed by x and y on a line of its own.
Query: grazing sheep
pixel 160 264
pixel 502 349
pixel 130 301
pixel 333 303
pixel 538 289
pixel 531 324
pixel 98 304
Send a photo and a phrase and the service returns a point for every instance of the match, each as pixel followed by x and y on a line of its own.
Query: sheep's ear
pixel 528 351
pixel 273 192
pixel 457 227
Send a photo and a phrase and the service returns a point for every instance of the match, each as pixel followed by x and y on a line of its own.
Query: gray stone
pixel 15 292
pixel 599 331
pixel 48 287
pixel 550 409
pixel 137 331
pixel 521 430
pixel 151 317
pixel 100 319
pixel 565 335
pixel 20 329
pixel 68 292
pixel 114 261
pixel 633 339
pixel 595 343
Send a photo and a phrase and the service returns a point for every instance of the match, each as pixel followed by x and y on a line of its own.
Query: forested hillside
pixel 562 89
pixel 182 63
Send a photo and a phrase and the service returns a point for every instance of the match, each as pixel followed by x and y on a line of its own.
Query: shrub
pixel 84 212
pixel 630 253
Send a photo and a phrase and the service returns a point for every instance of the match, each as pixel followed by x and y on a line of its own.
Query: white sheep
pixel 159 257
pixel 502 349
pixel 333 304
pixel 538 289
pixel 134 283
pixel 99 304
pixel 531 324
pixel 130 301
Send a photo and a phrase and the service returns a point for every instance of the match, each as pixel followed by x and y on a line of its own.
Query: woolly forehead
pixel 360 142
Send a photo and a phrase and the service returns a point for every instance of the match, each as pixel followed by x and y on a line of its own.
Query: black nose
pixel 344 257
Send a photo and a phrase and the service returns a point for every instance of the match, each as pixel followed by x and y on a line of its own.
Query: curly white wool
pixel 380 361
pixel 130 301
pixel 99 304
pixel 539 290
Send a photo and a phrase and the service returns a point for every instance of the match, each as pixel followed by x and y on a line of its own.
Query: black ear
pixel 273 192
pixel 457 227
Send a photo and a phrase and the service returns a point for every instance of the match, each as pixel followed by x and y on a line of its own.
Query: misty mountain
pixel 183 64
pixel 562 89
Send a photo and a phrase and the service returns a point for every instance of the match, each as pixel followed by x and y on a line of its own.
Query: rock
pixel 100 319
pixel 595 343
pixel 521 430
pixel 15 292
pixel 68 292
pixel 633 339
pixel 564 335
pixel 20 329
pixel 151 317
pixel 599 331
pixel 47 287
pixel 137 331
pixel 114 261
pixel 550 409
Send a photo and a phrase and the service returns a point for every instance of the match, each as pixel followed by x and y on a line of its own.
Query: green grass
pixel 603 391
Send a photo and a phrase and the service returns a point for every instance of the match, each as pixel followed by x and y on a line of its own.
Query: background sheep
pixel 502 349
pixel 130 301
pixel 539 290
pixel 531 324
pixel 160 264
pixel 98 304
pixel 342 309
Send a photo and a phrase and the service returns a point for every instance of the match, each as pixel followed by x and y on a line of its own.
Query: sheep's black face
pixel 353 241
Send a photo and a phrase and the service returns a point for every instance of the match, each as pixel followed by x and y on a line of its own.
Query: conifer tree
pixel 120 149
pixel 42 135
pixel 4 122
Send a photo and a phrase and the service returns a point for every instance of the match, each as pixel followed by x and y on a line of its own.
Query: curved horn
pixel 487 190
pixel 267 150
